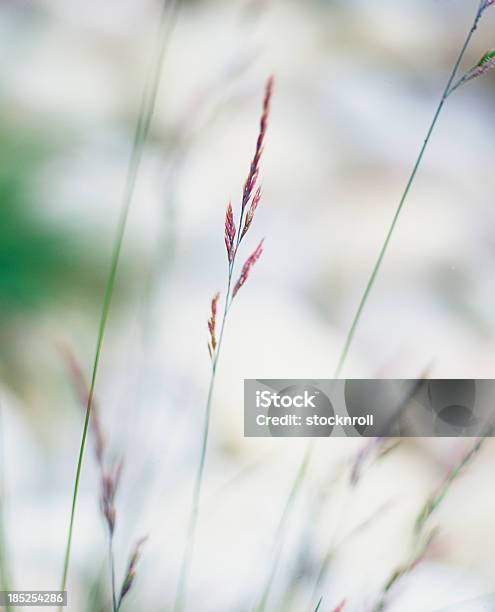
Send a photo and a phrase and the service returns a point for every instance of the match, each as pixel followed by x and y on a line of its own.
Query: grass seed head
pixel 230 232
pixel 250 184
pixel 484 66
pixel 250 261
pixel 212 323
pixel 131 568
pixel 109 485
pixel 250 213
pixel 486 63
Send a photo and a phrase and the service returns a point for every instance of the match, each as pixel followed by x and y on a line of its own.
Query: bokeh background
pixel 357 83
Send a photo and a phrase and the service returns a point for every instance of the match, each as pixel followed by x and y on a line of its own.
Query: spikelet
pixel 485 4
pixel 230 232
pixel 109 477
pixel 109 484
pixel 212 322
pixel 131 569
pixel 250 213
pixel 251 260
pixel 252 178
pixel 486 63
pixel 438 496
pixel 81 387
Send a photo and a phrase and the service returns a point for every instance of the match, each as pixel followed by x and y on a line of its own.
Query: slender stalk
pixel 377 514
pixel 282 526
pixel 437 498
pixel 421 549
pixel 180 597
pixel 318 605
pixel 383 250
pixel 251 193
pixel 112 572
pixel 350 336
pixel 356 476
pixel 184 573
pixel 4 574
pixel 421 543
pixel 145 116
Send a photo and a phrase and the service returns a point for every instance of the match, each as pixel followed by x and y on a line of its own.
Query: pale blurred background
pixel 357 83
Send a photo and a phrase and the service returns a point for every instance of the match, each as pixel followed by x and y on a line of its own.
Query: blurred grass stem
pixel 282 526
pixel 250 199
pixel 4 573
pixel 299 478
pixel 421 542
pixel 383 250
pixel 112 573
pixel 145 116
pixel 180 597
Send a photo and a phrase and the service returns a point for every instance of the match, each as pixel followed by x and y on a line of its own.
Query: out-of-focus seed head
pixel 131 569
pixel 109 485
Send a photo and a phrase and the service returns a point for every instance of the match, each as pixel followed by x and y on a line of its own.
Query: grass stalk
pixel 417 164
pixel 111 556
pixel 421 542
pixel 282 527
pixel 437 498
pixel 198 483
pixel 4 573
pixel 422 547
pixel 180 597
pixel 298 480
pixel 145 116
pixel 233 237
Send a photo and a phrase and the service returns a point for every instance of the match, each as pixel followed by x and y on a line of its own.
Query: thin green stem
pixel 421 549
pixel 180 597
pixel 282 526
pixel 298 481
pixel 430 506
pixel 318 605
pixel 145 116
pixel 420 543
pixel 4 574
pixel 437 498
pixel 383 250
pixel 112 572
pixel 332 544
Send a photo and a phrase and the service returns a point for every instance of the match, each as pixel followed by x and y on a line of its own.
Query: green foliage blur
pixel 38 260
pixel 44 265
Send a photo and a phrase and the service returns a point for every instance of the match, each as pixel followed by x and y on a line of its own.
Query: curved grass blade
pixel 145 116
